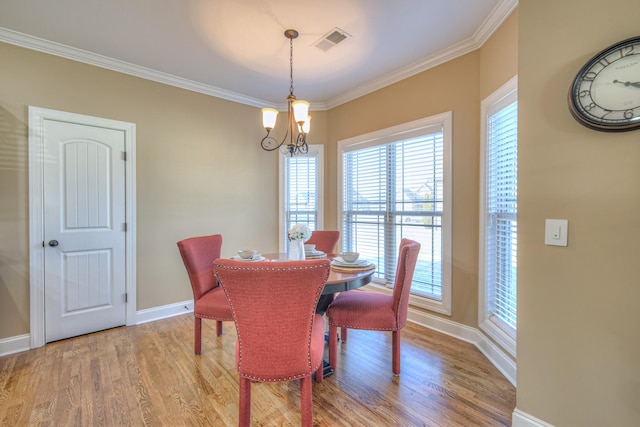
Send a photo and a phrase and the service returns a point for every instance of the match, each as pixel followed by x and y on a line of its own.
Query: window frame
pixel 314 150
pixel 497 329
pixel 444 122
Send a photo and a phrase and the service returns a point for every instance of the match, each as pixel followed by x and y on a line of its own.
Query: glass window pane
pixel 301 191
pixel 501 213
pixel 391 191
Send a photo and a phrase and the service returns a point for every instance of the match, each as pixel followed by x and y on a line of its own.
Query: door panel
pixel 86 185
pixel 84 193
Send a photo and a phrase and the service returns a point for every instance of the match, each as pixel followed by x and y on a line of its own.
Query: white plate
pixel 314 253
pixel 315 256
pixel 356 262
pixel 255 258
pixel 342 263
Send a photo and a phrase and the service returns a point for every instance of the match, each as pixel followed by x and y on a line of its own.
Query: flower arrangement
pixel 299 232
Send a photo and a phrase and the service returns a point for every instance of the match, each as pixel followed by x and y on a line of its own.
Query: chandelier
pixel 298 119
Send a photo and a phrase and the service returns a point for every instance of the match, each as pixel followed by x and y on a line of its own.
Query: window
pixel 498 216
pixel 301 191
pixel 396 183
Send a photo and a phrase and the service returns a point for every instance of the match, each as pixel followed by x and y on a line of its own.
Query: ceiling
pixel 236 49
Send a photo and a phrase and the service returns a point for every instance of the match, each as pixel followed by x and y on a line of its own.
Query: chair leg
pixel 218 328
pixel 396 352
pixel 244 416
pixel 306 402
pixel 197 338
pixel 320 373
pixel 333 345
pixel 343 334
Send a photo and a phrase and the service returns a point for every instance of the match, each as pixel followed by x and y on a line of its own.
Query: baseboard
pixel 15 344
pixel 471 335
pixel 20 343
pixel 522 419
pixel 164 311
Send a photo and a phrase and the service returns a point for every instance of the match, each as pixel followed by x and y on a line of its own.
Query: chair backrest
pixel 198 254
pixel 407 258
pixel 325 240
pixel 273 306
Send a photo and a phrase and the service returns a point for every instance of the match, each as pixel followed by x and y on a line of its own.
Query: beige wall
pixel 499 57
pixel 578 314
pixel 454 86
pixel 195 156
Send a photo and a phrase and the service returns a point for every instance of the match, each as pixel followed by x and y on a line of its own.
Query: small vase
pixel 296 249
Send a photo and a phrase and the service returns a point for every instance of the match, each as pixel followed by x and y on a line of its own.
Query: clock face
pixel 605 94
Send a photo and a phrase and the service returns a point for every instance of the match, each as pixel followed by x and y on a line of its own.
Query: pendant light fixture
pixel 298 119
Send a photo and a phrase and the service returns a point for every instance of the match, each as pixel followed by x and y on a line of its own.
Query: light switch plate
pixel 556 232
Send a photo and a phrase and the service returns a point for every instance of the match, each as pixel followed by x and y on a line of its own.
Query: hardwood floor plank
pixel 148 375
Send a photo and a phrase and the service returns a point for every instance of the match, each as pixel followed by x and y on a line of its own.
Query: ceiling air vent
pixel 331 39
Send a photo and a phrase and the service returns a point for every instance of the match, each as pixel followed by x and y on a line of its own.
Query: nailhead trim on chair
pixel 203 316
pixel 368 329
pixel 318 293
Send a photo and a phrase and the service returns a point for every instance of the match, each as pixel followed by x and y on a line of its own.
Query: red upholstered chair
pixel 209 300
pixel 264 294
pixel 325 240
pixel 373 310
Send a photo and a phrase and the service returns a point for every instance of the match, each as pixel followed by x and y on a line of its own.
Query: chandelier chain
pixel 291 66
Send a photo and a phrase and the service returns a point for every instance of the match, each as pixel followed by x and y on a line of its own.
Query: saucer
pixel 338 261
pixel 315 255
pixel 257 257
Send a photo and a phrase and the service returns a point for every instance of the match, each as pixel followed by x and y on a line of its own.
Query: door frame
pixel 37 117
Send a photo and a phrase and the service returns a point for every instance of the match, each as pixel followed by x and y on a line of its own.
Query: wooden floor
pixel 147 375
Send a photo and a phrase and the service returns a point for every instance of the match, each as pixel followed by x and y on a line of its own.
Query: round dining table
pixel 340 280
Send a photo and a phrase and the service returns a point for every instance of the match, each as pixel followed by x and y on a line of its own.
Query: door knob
pixel 53 243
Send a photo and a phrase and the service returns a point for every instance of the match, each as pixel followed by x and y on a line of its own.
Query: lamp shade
pixel 300 110
pixel 269 118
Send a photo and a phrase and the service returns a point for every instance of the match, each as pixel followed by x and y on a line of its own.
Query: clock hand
pixel 634 84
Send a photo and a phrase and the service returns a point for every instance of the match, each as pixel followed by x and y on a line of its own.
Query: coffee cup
pixel 350 256
pixel 247 253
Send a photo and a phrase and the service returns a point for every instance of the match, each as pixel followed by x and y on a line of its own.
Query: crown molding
pixel 79 55
pixel 282 106
pixel 501 12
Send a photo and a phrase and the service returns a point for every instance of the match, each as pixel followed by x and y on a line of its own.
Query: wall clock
pixel 605 94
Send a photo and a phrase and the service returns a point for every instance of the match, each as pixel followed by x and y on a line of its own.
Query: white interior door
pixel 84 228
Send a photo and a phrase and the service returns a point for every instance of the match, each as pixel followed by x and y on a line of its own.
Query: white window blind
pixel 499 208
pixel 301 191
pixel 395 190
pixel 502 208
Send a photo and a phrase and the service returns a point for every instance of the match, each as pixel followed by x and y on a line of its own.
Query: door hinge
pixel 126 297
pixel 124 156
pixel 124 226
